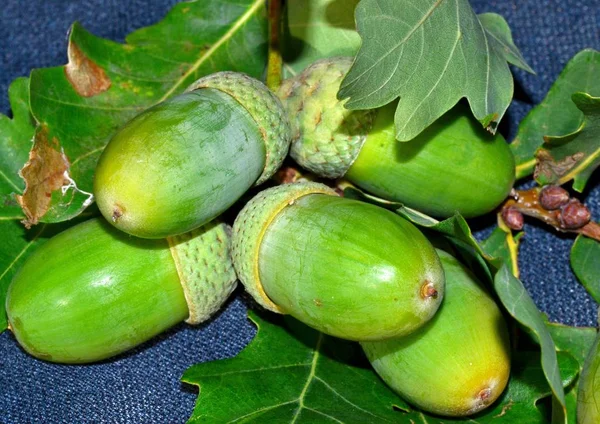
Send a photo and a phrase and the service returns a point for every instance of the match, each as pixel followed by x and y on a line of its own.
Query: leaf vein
pixel 85 106
pixel 206 56
pixel 256 370
pixel 22 252
pixel 310 377
pixel 409 35
pixel 85 155
pixel 442 74
pixel 265 409
pixel 343 398
pixel 13 184
pixel 325 415
pixel 487 64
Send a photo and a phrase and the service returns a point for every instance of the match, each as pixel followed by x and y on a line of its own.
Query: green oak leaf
pixel 585 262
pixel 430 54
pixel 15 140
pixel 556 114
pixel 499 274
pixel 501 243
pixel 588 403
pixel 574 156
pixel 280 377
pixel 521 307
pixel 315 29
pixel 291 373
pixel 577 341
pixel 15 137
pixel 79 106
pixel 571 402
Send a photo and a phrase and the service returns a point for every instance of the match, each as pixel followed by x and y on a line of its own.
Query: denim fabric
pixel 143 386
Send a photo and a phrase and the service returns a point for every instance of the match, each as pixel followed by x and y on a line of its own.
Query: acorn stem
pixel 570 216
pixel 428 290
pixel 275 62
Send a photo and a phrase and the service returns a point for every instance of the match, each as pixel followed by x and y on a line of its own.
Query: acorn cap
pixel 264 107
pixel 251 225
pixel 203 261
pixel 326 137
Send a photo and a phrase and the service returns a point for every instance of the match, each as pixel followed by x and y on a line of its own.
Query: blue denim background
pixel 143 386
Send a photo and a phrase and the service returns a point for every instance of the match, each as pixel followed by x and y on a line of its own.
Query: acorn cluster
pixel 160 254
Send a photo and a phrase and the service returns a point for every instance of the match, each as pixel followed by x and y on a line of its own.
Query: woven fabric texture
pixel 143 386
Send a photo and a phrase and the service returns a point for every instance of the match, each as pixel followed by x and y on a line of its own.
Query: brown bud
pixel 552 197
pixel 574 215
pixel 513 218
pixel 287 175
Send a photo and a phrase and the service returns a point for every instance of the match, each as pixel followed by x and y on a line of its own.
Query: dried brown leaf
pixel 45 171
pixel 86 77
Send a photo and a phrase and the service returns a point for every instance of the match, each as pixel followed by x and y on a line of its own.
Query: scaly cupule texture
pixel 588 404
pixel 326 137
pixel 453 166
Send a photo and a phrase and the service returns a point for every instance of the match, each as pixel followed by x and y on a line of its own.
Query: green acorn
pixel 184 161
pixel 588 407
pixel 347 268
pixel 459 362
pixel 453 166
pixel 92 292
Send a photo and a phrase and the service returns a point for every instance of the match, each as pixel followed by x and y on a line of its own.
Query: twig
pixel 275 62
pixel 552 205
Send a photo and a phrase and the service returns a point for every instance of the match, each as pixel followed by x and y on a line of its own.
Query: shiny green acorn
pixel 184 161
pixel 344 267
pixel 588 406
pixel 453 166
pixel 92 291
pixel 459 362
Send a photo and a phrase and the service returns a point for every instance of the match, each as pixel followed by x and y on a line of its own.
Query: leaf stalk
pixel 275 61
